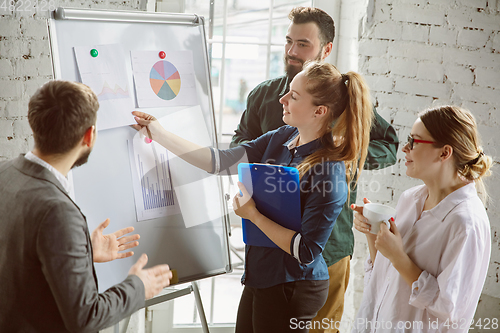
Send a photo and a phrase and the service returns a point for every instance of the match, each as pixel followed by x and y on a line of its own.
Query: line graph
pixel 108 93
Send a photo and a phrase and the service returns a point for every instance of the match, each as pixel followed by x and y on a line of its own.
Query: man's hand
pixel 154 279
pixel 106 247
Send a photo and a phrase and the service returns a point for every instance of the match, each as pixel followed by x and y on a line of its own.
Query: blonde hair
pixel 455 126
pixel 349 118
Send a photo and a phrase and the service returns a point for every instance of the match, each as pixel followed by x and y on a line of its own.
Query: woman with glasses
pixel 426 273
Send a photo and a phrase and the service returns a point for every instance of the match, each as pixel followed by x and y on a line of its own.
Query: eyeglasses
pixel 411 141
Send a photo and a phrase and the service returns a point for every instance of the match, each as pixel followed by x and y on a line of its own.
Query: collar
pixel 59 176
pixel 293 143
pixel 305 149
pixel 452 200
pixel 286 87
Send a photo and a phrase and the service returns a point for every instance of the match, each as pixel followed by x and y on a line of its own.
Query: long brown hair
pixel 349 118
pixel 454 126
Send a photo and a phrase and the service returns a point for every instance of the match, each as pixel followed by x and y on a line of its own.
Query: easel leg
pixel 199 305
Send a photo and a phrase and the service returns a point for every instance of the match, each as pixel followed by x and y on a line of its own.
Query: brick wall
pixel 416 54
pixel 24 66
pixel 25 63
pixel 413 53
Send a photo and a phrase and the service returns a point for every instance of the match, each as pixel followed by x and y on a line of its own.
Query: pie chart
pixel 165 80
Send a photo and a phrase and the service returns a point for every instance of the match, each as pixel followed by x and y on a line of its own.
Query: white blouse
pixel 451 243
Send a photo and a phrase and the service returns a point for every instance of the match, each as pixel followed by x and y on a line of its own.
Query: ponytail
pixel 454 126
pixel 346 131
pixel 476 170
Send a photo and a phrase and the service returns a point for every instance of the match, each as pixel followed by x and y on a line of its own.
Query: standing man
pixel 47 277
pixel 310 37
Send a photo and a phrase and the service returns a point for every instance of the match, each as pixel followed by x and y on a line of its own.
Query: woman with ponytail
pixel 426 273
pixel 328 117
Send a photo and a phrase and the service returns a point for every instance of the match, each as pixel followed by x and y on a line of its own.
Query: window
pixel 246 47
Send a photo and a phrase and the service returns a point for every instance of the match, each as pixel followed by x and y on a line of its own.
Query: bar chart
pixel 154 193
pixel 156 185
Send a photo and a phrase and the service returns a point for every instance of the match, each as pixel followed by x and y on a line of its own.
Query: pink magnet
pixel 147 140
pixel 162 54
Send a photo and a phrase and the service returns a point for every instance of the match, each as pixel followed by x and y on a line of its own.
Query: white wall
pixel 25 65
pixel 414 54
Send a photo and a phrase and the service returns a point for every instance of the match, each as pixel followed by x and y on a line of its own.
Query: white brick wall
pixel 404 67
pixel 437 52
pixel 487 77
pixel 415 53
pixel 442 35
pixel 407 11
pixel 25 65
pixel 475 38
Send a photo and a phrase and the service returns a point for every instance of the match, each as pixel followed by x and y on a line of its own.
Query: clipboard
pixel 276 192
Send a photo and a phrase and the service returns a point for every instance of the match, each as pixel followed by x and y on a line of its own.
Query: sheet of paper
pixel 107 74
pixel 197 191
pixel 151 178
pixel 164 82
pixel 165 184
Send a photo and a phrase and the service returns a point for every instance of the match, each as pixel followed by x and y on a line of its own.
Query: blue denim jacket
pixel 323 193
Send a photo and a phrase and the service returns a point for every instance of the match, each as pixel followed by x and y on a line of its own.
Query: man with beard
pixel 47 280
pixel 310 37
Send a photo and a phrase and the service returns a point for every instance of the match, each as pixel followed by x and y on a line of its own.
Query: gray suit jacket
pixel 47 277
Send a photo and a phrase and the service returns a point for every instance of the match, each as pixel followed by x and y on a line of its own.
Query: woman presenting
pixel 328 117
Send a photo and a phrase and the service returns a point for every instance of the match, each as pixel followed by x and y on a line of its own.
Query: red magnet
pixel 162 54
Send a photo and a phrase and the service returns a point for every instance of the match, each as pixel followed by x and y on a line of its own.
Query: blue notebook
pixel 276 192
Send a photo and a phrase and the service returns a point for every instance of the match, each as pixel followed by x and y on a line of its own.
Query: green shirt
pixel 264 113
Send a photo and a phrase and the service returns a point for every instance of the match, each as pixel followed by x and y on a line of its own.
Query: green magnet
pixel 94 53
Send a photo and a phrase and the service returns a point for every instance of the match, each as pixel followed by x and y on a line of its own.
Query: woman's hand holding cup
pixel 376 221
pixel 360 221
pixel 377 214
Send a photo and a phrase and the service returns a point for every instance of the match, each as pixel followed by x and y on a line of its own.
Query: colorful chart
pixel 165 80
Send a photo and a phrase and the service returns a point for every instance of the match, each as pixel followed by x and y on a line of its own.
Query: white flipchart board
pixel 103 186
